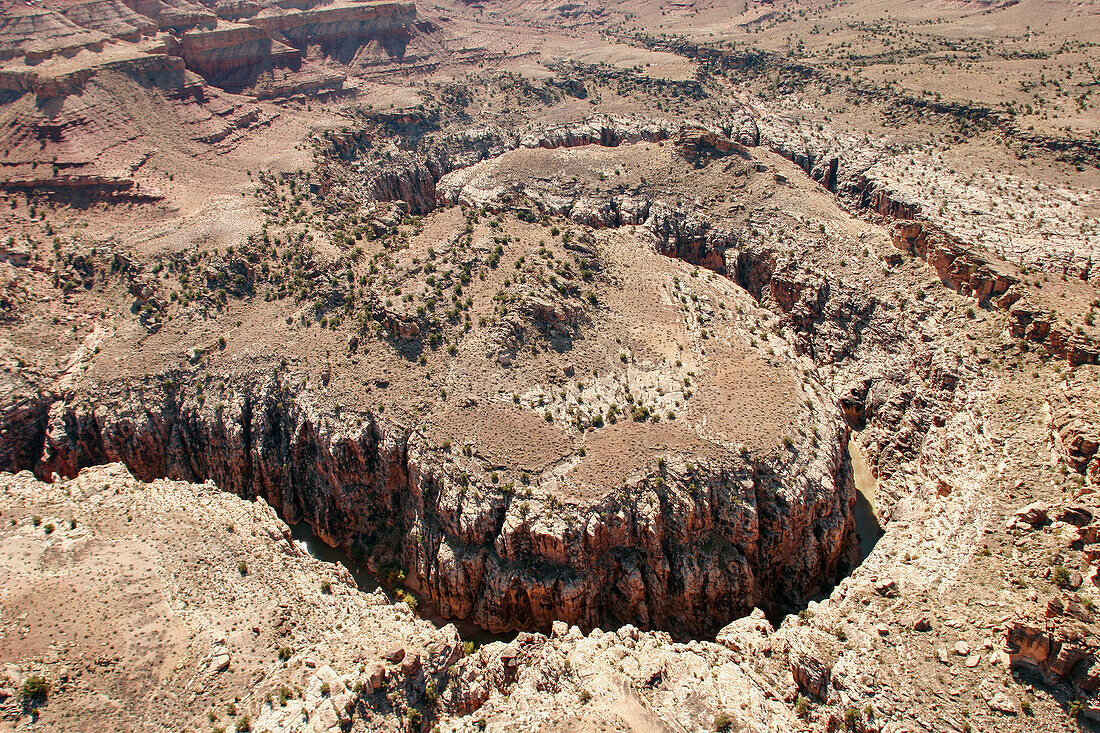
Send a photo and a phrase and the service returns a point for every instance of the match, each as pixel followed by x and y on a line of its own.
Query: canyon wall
pixel 415 178
pixel 240 51
pixel 688 548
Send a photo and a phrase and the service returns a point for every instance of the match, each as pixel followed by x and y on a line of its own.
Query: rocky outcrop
pixel 22 428
pixel 413 177
pixel 569 673
pixel 341 29
pixel 67 120
pixel 39 34
pixel 700 146
pixel 811 661
pixel 244 49
pixel 1028 320
pixel 157 69
pixel 970 273
pixel 247 55
pixel 86 187
pixel 687 548
pixel 220 54
pixel 958 268
pixel 111 17
pixel 1060 642
pixel 176 15
pixel 1074 421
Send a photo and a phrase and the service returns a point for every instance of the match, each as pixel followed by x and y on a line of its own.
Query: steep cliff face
pixel 238 46
pixel 341 29
pixel 687 548
pixel 248 55
pixel 22 428
pixel 413 177
pixel 222 53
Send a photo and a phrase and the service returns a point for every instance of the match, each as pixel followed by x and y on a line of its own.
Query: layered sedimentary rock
pixel 60 119
pixel 111 17
pixel 225 51
pixel 1027 319
pixel 251 54
pixel 174 14
pixel 687 548
pixel 1075 429
pixel 67 119
pixel 980 276
pixel 39 34
pixel 242 47
pixel 340 29
pixel 962 270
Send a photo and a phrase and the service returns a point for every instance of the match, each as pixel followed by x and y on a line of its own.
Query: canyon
pixel 703 367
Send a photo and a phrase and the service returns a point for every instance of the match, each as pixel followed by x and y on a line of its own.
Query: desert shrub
pixel 34 689
pixel 1060 576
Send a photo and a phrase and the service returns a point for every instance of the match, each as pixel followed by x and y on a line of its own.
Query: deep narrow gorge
pixel 687 549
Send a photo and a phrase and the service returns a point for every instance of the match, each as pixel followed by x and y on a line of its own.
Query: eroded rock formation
pixel 687 548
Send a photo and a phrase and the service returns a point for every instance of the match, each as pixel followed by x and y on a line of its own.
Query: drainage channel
pixel 369 581
pixel 868 529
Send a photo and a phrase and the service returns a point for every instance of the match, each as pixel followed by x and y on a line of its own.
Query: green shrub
pixel 34 689
pixel 1060 576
